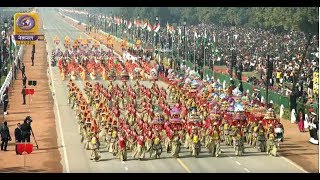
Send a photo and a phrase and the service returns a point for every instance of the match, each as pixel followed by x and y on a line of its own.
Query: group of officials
pixel 22 133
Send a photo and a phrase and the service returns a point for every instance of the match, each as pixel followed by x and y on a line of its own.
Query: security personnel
pixel 23 92
pixel 5 136
pixel 5 102
pixel 24 80
pixel 18 136
pixel 26 131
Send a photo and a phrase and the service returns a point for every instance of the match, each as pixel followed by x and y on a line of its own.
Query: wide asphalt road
pixel 76 159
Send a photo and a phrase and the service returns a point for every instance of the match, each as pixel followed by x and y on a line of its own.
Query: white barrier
pixel 8 80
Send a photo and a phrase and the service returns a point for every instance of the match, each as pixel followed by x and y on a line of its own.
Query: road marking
pixel 126 168
pixel 230 157
pixel 59 118
pixel 246 169
pixel 294 164
pixel 184 165
pixel 123 162
pixel 238 163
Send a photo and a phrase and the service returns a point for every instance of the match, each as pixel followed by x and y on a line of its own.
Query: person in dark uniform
pixel 5 136
pixel 18 136
pixel 23 92
pixel 26 130
pixel 5 102
pixel 24 80
pixel 241 87
pixel 23 69
pixel 32 59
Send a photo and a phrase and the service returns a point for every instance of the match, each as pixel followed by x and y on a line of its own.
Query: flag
pixel 129 25
pixel 144 24
pixel 156 28
pixel 137 23
pixel 149 27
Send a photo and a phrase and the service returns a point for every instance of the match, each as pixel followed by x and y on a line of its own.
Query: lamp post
pixel 184 39
pixel 156 40
pixel 111 21
pixel 5 36
pixel 105 23
pixel 138 33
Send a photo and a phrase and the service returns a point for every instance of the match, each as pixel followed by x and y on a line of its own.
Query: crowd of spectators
pixel 250 48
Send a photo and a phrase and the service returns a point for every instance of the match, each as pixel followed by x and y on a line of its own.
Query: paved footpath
pixel 47 158
pixel 295 149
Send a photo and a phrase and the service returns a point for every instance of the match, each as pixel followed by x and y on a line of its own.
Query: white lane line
pixel 238 163
pixel 126 168
pixel 123 162
pixel 294 164
pixel 246 169
pixel 59 118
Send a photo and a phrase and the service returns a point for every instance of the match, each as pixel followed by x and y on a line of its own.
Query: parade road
pixel 76 159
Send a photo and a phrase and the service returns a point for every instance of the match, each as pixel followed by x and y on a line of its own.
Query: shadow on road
pixel 22 170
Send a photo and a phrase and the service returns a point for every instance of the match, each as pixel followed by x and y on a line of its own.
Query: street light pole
pixel 156 40
pixel 184 39
pixel 4 45
pixel 269 70
pixel 111 21
pixel 105 23
pixel 232 53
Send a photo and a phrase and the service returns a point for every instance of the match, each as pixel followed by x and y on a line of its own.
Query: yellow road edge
pixel 184 165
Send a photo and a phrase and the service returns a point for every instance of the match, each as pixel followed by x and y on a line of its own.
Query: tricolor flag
pixel 149 27
pixel 144 24
pixel 129 25
pixel 136 23
pixel 156 28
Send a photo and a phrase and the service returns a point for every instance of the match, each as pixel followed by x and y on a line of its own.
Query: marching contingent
pixel 127 116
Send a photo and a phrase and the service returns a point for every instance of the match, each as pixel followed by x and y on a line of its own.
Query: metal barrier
pixel 9 77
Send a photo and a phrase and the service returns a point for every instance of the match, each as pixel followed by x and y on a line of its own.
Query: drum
pixel 278 130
